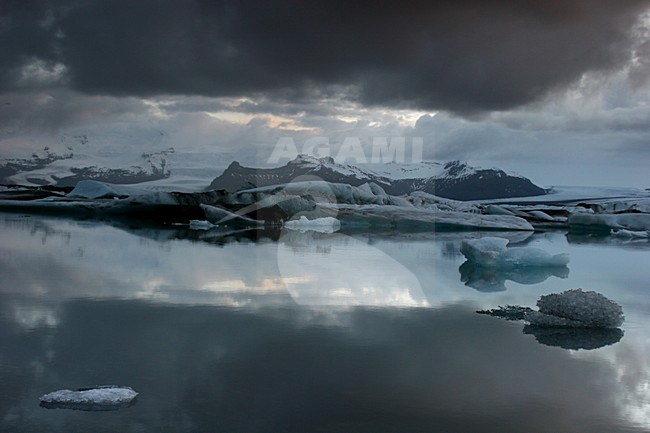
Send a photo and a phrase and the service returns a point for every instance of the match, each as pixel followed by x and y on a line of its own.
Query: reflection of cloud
pixel 348 272
pixel 268 284
pixel 244 370
pixel 34 316
pixel 491 279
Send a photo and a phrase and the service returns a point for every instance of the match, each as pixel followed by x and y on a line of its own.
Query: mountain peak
pixel 304 159
pixel 455 179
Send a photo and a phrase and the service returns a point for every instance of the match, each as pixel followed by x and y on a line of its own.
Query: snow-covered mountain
pixel 66 168
pixel 456 180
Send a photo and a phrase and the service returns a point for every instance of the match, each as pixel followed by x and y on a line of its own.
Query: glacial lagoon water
pixel 308 332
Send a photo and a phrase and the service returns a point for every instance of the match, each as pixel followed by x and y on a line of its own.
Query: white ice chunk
pixel 322 225
pixel 92 189
pixel 97 398
pixel 494 209
pixel 538 214
pixel 493 251
pixel 201 225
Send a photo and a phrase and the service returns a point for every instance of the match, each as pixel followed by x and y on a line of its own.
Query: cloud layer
pixel 466 57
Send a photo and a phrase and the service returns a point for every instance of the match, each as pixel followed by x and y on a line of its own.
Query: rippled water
pixel 304 332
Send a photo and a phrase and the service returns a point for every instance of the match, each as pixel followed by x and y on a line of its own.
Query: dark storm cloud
pixel 464 56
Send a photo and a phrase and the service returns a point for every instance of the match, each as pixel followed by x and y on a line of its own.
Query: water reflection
pixel 575 338
pixel 491 279
pixel 220 369
pixel 608 240
pixel 272 332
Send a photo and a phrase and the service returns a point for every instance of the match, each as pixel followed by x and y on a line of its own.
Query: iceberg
pixel 603 223
pixel 416 219
pixel 98 398
pixel 494 252
pixel 574 319
pixel 576 309
pixel 201 225
pixel 321 225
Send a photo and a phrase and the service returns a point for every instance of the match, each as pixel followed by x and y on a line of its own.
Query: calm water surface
pixel 310 332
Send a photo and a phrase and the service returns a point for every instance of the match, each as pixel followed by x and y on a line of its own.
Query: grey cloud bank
pixel 464 56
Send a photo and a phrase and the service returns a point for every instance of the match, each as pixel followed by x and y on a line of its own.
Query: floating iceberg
pixel 574 319
pixel 570 309
pixel 494 252
pixel 603 223
pixel 576 309
pixel 415 219
pixel 322 225
pixel 98 398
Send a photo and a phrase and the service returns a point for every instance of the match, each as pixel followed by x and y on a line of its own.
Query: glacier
pixel 98 398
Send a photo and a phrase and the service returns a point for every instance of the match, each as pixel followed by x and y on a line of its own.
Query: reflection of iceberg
pixel 99 398
pixel 492 279
pixel 494 252
pixel 575 338
pixel 604 238
pixel 218 215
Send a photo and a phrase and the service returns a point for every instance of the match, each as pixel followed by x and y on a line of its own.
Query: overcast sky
pixel 556 90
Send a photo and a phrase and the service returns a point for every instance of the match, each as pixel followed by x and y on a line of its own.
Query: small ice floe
pixel 494 252
pixel 98 398
pixel 321 225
